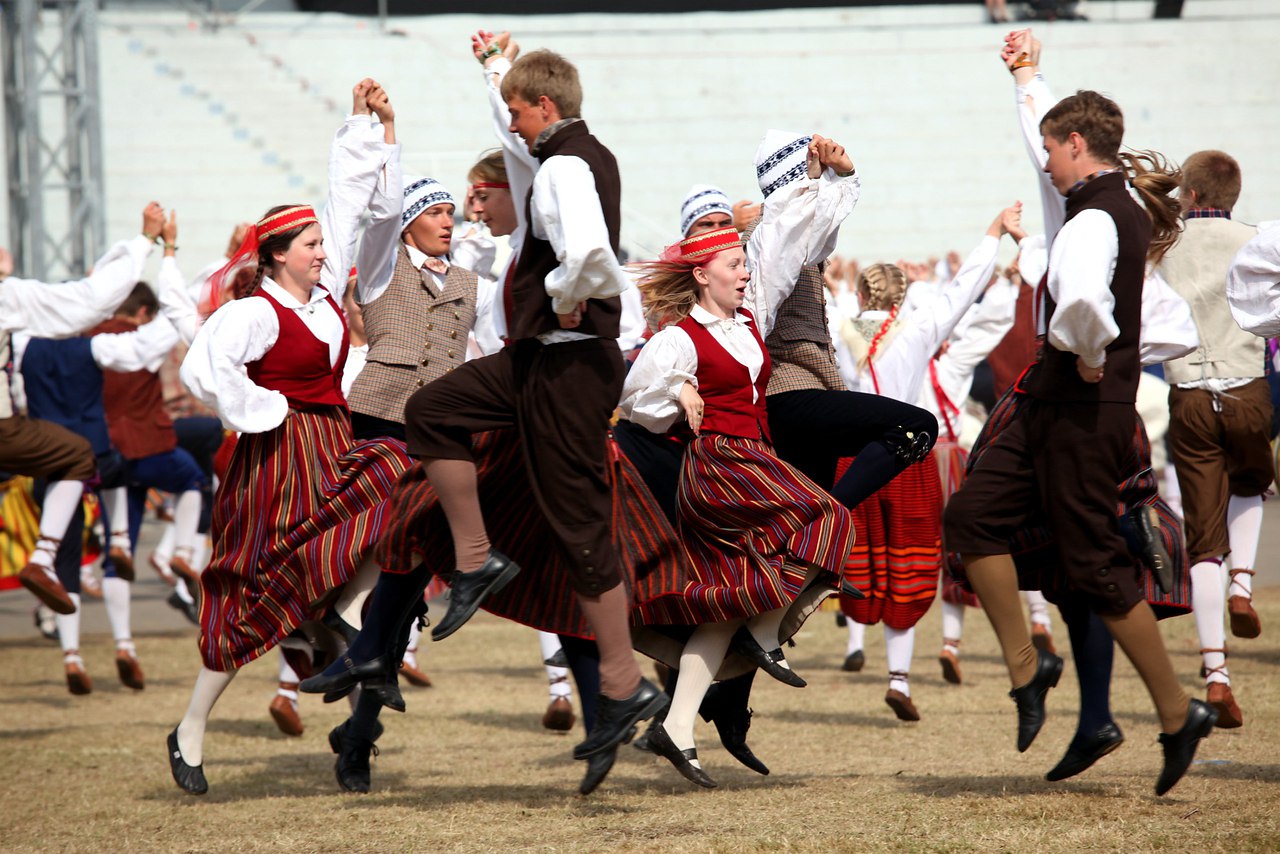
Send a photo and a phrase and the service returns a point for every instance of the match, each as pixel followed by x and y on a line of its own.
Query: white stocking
pixel 1209 604
pixel 1039 608
pixel 764 628
pixel 411 650
pixel 115 505
pixel 557 677
pixel 350 605
pixel 209 687
pixel 186 518
pixel 116 594
pixel 699 662
pixel 164 549
pixel 69 626
pixel 952 624
pixel 857 636
pixel 60 502
pixel 1244 527
pixel 899 644
pixel 287 673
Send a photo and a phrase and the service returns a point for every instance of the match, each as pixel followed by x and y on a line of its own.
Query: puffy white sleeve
pixel 473 249
pixel 1082 263
pixel 376 259
pixel 144 349
pixel 567 213
pixel 239 332
pixel 521 165
pixel 177 302
pixel 650 395
pixel 486 329
pixel 1034 100
pixel 357 164
pixel 1253 284
pixel 987 324
pixel 798 227
pixel 62 310
pixel 632 324
pixel 1168 330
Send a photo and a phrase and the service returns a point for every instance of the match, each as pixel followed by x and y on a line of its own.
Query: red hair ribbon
pixel 218 289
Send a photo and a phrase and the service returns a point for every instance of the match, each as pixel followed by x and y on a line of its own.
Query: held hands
pixel 829 154
pixel 152 220
pixel 1088 374
pixel 360 97
pixel 1021 55
pixel 745 212
pixel 1008 221
pixel 486 46
pixel 573 319
pixel 380 103
pixel 691 402
pixel 169 233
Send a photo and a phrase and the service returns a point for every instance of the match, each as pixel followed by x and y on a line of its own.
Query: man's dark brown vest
pixel 532 313
pixel 1057 379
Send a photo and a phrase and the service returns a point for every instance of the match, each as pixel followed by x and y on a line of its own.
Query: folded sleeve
pixel 650 395
pixel 1253 284
pixel 1083 261
pixel 214 370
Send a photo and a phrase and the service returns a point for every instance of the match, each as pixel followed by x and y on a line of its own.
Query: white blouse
pixel 242 331
pixel 651 393
pixel 1253 284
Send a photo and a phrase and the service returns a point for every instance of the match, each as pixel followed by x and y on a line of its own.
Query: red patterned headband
pixel 702 247
pixel 283 221
pixel 491 185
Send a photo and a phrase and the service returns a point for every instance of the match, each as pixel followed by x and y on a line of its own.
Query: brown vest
pixel 416 335
pixel 137 421
pixel 1056 379
pixel 531 313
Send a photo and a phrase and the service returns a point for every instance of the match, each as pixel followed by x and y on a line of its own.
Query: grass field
pixel 469 768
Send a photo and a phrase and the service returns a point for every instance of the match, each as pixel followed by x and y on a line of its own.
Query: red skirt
pixel 653 563
pixel 300 508
pixel 753 527
pixel 897 563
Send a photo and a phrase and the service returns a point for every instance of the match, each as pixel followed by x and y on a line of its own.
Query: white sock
pixel 1039 608
pixel 115 507
pixel 60 502
pixel 557 677
pixel 411 651
pixel 549 644
pixel 287 673
pixel 183 593
pixel 164 549
pixel 899 644
pixel 350 605
pixel 116 594
pixel 1208 603
pixel 1244 527
pixel 186 518
pixel 200 554
pixel 208 688
pixel 701 658
pixel 764 628
pixel 952 624
pixel 857 637
pixel 69 625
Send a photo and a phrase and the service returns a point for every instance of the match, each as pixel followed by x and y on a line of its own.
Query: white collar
pixel 288 300
pixel 706 318
pixel 417 257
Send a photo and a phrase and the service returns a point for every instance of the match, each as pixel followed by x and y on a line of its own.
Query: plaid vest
pixel 800 341
pixel 416 335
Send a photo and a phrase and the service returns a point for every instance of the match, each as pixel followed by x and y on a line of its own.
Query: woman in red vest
pixel 766 543
pixel 301 507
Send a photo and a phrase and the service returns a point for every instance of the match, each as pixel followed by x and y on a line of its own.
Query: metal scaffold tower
pixel 53 137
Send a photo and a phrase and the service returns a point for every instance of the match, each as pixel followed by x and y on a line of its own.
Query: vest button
pixel 419 383
pixel 430 327
pixel 427 346
pixel 424 362
pixel 450 354
pixel 453 334
pixel 457 316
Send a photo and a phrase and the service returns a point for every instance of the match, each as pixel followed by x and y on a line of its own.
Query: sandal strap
pixel 899 674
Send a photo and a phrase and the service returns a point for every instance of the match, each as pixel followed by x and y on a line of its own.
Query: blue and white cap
pixel 701 200
pixel 781 159
pixel 420 194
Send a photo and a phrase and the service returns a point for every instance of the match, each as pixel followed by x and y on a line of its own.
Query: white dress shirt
pixel 1253 284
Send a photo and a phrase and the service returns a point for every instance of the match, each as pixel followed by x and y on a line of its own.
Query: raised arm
pixel 177 302
pixel 798 227
pixel 1021 55
pixel 521 165
pixel 376 259
pixel 62 310
pixel 144 349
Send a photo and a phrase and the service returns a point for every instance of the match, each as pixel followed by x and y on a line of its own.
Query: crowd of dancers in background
pixel 682 457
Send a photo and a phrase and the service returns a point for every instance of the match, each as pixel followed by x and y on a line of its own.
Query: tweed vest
pixel 530 308
pixel 1056 378
pixel 416 333
pixel 800 341
pixel 1196 267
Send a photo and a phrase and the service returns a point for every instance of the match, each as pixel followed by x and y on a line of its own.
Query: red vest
pixel 725 385
pixel 136 418
pixel 297 365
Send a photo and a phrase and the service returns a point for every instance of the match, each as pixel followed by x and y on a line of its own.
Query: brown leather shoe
pixel 1244 620
pixel 1220 697
pixel 162 570
pixel 901 705
pixel 284 712
pixel 47 588
pixel 559 715
pixel 129 669
pixel 123 563
pixel 180 566
pixel 78 681
pixel 1042 638
pixel 414 675
pixel 950 666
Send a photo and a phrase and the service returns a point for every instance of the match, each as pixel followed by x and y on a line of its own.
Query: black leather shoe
pixel 616 719
pixel 746 646
pixel 732 725
pixel 854 661
pixel 682 759
pixel 190 610
pixel 598 768
pixel 557 660
pixel 1083 752
pixel 345 674
pixel 1030 697
pixel 847 589
pixel 467 590
pixel 190 778
pixel 1180 747
pixel 352 768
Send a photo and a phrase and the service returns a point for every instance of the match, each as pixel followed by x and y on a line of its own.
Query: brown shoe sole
pixel 130 673
pixel 950 669
pixel 44 589
pixel 79 683
pixel 902 706
pixel 287 720
pixel 1244 620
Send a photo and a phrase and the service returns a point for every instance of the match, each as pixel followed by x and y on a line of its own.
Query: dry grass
pixel 469 769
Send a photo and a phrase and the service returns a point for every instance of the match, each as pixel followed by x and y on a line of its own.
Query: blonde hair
pixel 669 291
pixel 884 286
pixel 489 169
pixel 1154 178
pixel 544 72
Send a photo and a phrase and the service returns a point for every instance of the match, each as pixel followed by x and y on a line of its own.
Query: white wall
pixel 221 125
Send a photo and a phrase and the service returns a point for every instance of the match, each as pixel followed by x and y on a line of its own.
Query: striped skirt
pixel 953 462
pixel 1035 552
pixel 753 527
pixel 300 508
pixel 897 561
pixel 652 560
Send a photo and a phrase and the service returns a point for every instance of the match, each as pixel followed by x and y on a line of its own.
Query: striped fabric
pixel 1034 550
pixel 651 558
pixel 299 510
pixel 898 559
pixel 753 526
pixel 953 462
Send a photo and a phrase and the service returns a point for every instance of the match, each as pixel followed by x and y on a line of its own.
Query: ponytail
pixel 1155 178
